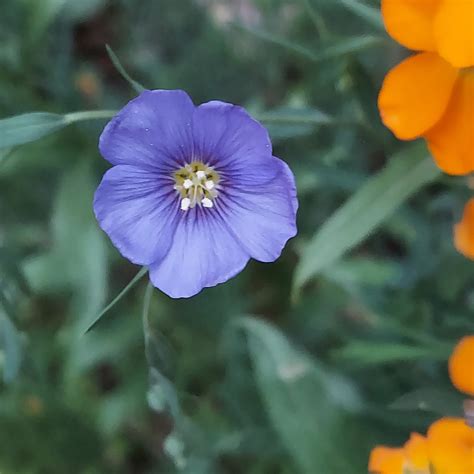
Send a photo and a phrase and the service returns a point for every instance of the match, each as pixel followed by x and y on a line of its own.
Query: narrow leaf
pixel 309 408
pixel 6 303
pixel 10 345
pixel 296 116
pixel 271 38
pixel 32 126
pixel 316 18
pixel 290 122
pixel 326 49
pixel 10 268
pixel 162 395
pixel 363 353
pixel 432 400
pixel 127 288
pixel 137 87
pixel 363 271
pixel 370 14
pixel 346 46
pixel 29 127
pixel 381 195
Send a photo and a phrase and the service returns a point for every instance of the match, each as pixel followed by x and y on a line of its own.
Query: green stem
pixel 89 115
pixel 130 285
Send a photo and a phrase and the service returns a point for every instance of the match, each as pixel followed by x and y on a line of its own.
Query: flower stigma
pixel 196 184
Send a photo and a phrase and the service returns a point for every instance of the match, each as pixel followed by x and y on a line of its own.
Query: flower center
pixel 197 184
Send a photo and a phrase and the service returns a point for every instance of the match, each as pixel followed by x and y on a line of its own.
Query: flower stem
pixel 129 286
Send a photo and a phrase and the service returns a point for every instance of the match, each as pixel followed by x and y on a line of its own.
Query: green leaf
pixel 29 127
pixel 6 303
pixel 362 271
pixel 288 122
pixel 5 154
pixel 382 194
pixel 11 346
pixel 329 49
pixel 308 408
pixel 370 14
pixel 363 353
pixel 316 18
pixel 32 126
pixel 40 15
pixel 118 65
pixel 76 261
pixel 345 46
pixel 434 400
pixel 162 396
pixel 296 116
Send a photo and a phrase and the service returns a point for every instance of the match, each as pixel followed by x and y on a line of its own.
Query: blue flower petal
pixel 139 211
pixel 204 253
pixel 263 216
pixel 153 131
pixel 225 134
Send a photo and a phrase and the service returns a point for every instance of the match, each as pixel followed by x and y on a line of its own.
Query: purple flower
pixel 194 192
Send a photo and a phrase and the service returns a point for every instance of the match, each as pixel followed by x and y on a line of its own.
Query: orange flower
pixel 448 448
pixel 464 231
pixel 412 458
pixel 431 94
pixel 461 365
pixel 451 446
pixel 384 460
pixel 416 451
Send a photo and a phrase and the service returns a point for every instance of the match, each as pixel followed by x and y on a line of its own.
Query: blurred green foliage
pixel 300 366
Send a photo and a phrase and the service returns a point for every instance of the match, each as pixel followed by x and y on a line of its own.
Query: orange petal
pixel 385 460
pixel 416 451
pixel 454 32
pixel 461 362
pixel 451 140
pixel 451 446
pixel 415 94
pixel 464 233
pixel 410 22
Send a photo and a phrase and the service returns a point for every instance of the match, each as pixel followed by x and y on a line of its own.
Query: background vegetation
pixel 292 367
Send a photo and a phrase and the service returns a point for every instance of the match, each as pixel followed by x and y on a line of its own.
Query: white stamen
pixel 187 183
pixel 206 202
pixel 196 185
pixel 185 203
